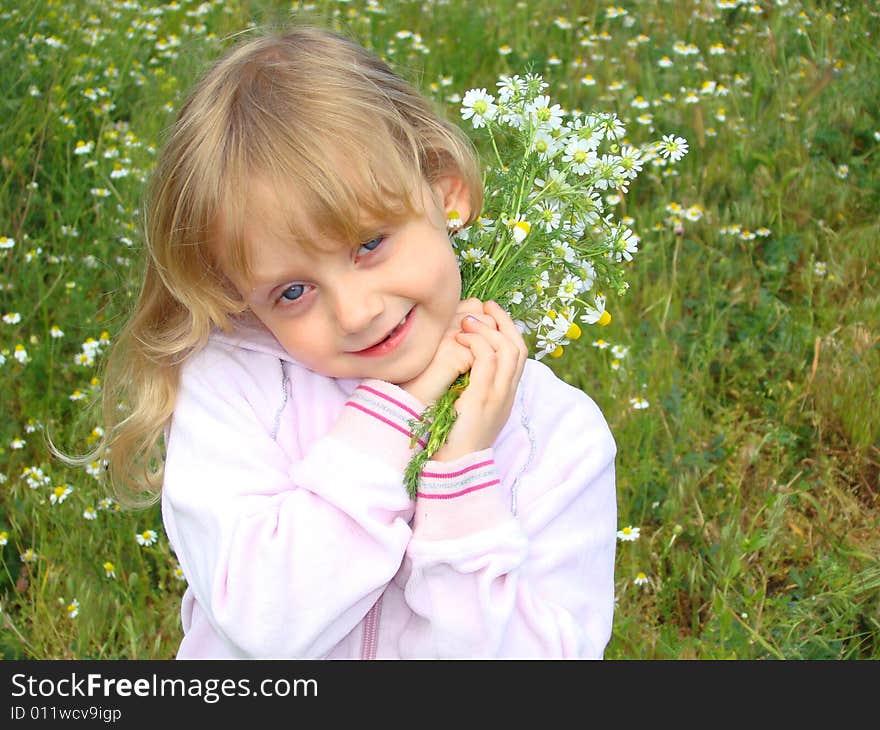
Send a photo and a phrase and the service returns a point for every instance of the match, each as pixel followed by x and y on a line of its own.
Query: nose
pixel 356 304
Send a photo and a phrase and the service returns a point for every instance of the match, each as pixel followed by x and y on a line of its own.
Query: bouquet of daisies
pixel 546 249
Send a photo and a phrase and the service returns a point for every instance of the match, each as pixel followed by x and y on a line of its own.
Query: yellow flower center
pixel 558 351
pixel 573 332
pixel 604 319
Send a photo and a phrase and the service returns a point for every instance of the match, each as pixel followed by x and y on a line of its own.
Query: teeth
pixel 394 331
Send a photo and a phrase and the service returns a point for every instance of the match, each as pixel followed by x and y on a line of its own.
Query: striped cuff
pixel 375 420
pixel 439 481
pixel 373 398
pixel 459 498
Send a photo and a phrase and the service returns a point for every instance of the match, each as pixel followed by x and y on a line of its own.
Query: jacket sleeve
pixel 486 582
pixel 286 555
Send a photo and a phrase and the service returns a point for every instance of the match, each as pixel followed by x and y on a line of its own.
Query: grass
pixel 750 332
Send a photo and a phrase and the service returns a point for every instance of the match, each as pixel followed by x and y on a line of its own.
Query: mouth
pixel 392 340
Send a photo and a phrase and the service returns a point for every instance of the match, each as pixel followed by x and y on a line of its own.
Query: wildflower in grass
pixel 21 354
pixel 55 332
pixel 672 147
pixel 89 513
pixel 763 232
pixel 619 351
pixel 29 556
pixel 146 538
pixel 96 468
pixel 99 192
pixel 109 569
pixel 178 573
pixel 639 403
pixel 34 477
pixel 694 213
pixel 6 242
pixel 640 579
pixel 72 609
pixel 83 148
pixel 12 318
pixel 106 503
pixel 820 268
pixel 4 537
pixel 17 443
pixel 843 171
pixel 601 344
pixel 629 534
pixel 76 395
pixel 60 493
pixel 505 50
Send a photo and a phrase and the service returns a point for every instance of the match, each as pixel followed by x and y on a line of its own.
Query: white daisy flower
pixel 146 538
pixel 479 107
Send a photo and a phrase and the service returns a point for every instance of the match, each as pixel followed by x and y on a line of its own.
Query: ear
pixel 453 194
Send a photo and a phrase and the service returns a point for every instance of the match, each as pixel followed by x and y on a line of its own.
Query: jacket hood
pixel 254 337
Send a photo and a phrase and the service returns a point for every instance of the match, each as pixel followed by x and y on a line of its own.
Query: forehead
pixel 272 221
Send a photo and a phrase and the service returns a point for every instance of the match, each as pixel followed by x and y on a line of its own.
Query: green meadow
pixel 740 373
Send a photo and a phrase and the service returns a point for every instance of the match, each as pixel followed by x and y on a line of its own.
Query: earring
pixel 453 221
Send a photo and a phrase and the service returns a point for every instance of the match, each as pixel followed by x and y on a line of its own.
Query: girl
pixel 301 303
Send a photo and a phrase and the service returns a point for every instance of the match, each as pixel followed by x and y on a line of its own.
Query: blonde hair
pixel 294 108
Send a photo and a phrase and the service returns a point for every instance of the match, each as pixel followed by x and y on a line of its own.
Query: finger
pixel 499 341
pixel 484 367
pixel 510 353
pixel 475 307
pixel 508 327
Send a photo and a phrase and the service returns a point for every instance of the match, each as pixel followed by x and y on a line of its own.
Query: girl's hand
pixel 453 358
pixel 499 356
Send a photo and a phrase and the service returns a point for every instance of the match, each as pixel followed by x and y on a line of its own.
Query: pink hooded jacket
pixel 284 503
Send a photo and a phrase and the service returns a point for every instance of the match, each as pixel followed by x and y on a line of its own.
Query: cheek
pixel 449 278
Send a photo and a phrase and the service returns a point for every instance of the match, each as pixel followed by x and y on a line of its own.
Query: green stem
pixel 433 426
pixel 495 147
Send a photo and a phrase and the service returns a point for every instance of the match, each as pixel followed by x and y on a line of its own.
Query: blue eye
pixel 292 293
pixel 372 244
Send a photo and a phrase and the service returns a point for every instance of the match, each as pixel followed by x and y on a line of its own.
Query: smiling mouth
pixel 390 340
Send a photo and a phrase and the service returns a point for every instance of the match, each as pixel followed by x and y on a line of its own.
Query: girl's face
pixel 376 309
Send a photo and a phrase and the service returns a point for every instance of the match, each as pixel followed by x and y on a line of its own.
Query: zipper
pixel 371 631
